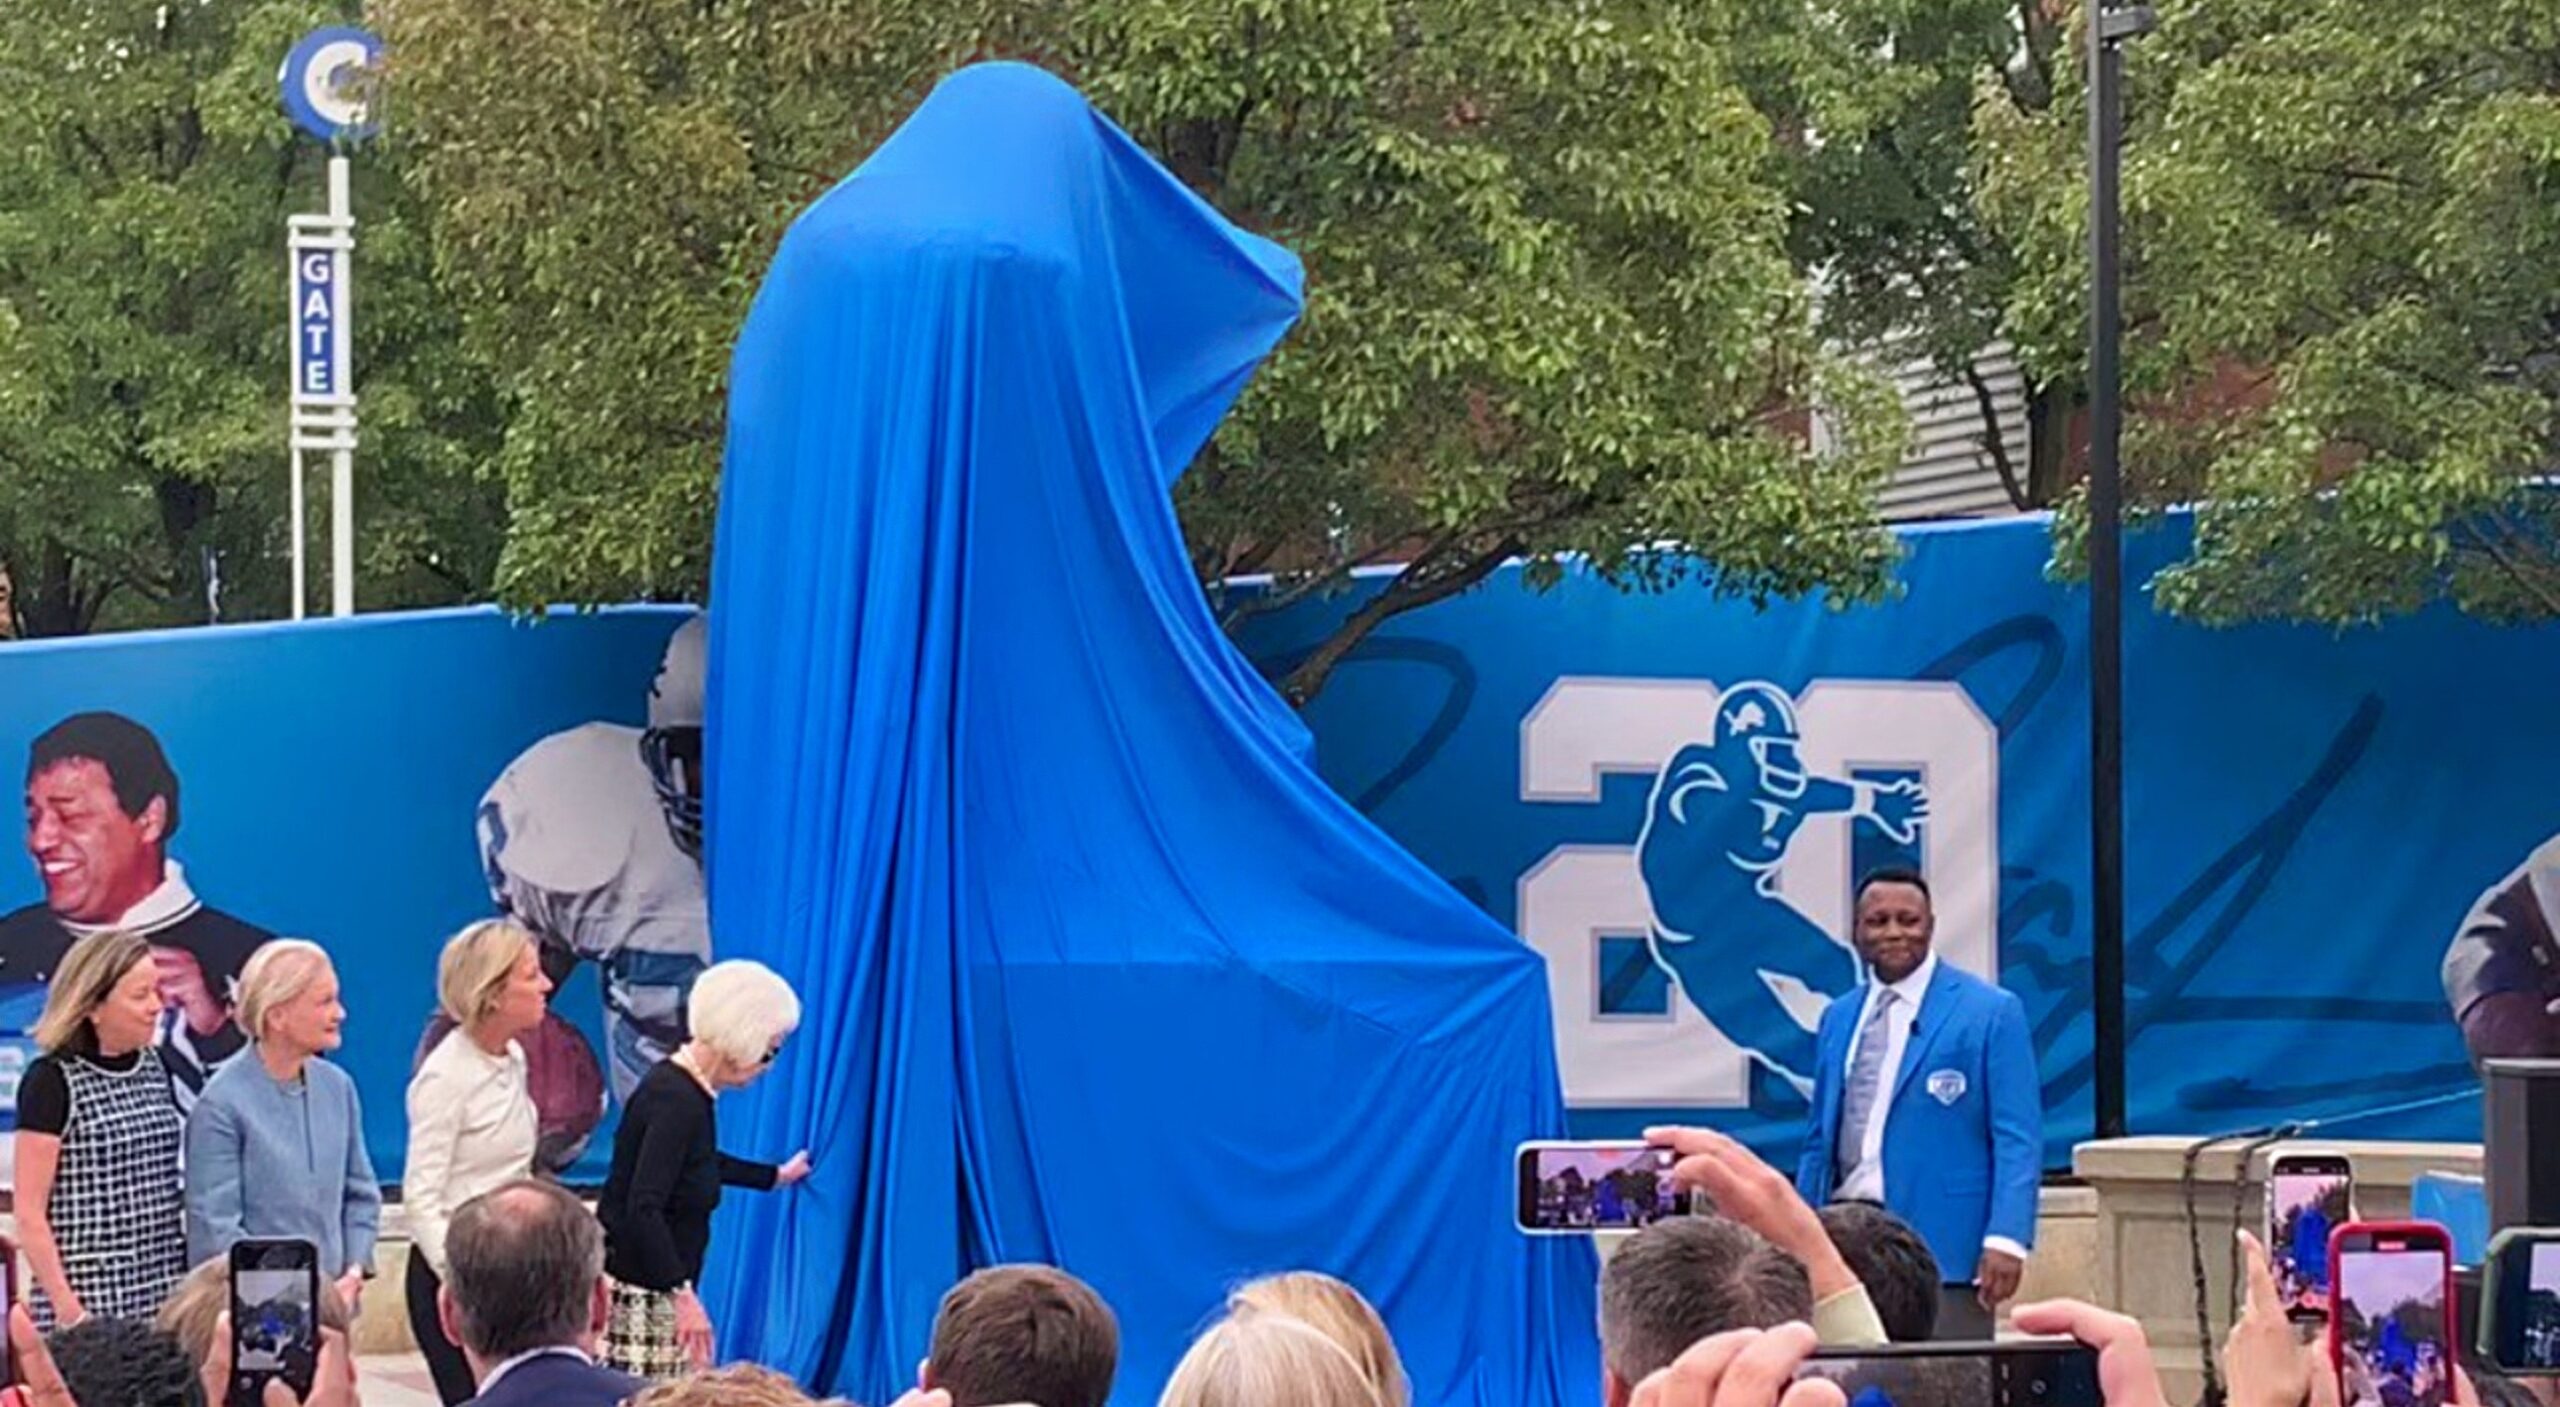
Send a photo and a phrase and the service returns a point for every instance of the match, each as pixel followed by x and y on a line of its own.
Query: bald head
pixel 524 1267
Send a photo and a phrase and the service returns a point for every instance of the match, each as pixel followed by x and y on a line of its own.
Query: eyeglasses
pixel 771 1054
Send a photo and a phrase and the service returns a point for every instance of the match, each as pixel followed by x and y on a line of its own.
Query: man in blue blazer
pixel 1926 1100
pixel 525 1296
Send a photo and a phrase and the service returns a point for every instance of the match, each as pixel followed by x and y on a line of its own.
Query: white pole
pixel 342 473
pixel 301 570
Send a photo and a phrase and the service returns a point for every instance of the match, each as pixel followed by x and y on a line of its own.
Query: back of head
pixel 1896 1266
pixel 523 1263
pixel 1258 1358
pixel 1024 1333
pixel 193 1312
pixel 740 1385
pixel 1685 1278
pixel 1341 1314
pixel 124 1363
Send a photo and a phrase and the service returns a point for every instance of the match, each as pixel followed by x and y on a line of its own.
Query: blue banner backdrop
pixel 329 774
pixel 2309 816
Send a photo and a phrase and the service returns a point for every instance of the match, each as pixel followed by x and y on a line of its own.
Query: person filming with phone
pixel 1926 1101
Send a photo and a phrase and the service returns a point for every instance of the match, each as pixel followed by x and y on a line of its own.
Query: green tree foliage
pixel 2342 296
pixel 1552 308
pixel 145 177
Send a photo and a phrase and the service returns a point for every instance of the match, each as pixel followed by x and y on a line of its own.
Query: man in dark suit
pixel 1926 1100
pixel 525 1296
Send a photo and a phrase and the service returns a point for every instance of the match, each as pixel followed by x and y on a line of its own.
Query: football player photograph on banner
pixel 372 785
pixel 2336 895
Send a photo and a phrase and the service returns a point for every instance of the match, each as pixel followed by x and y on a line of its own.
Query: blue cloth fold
pixel 1097 970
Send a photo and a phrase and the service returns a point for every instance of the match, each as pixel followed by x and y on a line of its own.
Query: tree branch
pixel 1335 575
pixel 1993 441
pixel 2542 592
pixel 1422 584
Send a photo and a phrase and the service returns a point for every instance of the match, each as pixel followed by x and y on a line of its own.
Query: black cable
pixel 2254 1141
pixel 2213 1392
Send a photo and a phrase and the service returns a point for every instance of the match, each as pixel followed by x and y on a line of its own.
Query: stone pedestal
pixel 2144 1264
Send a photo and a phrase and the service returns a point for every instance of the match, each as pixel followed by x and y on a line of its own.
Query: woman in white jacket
pixel 472 1127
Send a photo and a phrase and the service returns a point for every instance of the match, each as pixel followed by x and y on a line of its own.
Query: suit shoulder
pixel 221 941
pixel 32 940
pixel 1977 989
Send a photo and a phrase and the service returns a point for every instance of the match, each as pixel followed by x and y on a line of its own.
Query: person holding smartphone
pixel 668 1169
pixel 100 1204
pixel 275 1150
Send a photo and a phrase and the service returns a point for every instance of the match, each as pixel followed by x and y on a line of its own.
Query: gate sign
pixel 319 329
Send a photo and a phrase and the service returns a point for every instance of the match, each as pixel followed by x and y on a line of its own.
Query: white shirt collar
pixel 1915 983
pixel 562 1350
pixel 171 901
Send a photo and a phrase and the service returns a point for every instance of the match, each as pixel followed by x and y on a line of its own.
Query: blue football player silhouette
pixel 1719 822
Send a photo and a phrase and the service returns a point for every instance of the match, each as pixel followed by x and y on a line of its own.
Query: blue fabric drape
pixel 1097 970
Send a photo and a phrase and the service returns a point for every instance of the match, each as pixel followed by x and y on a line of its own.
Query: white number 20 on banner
pixel 1586 910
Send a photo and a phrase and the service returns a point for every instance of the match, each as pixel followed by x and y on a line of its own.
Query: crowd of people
pixel 521 1293
pixel 1713 1310
pixel 121 1186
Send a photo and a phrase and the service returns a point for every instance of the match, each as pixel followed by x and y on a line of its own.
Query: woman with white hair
pixel 668 1169
pixel 275 1149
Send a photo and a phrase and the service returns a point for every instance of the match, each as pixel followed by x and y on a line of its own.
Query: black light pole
pixel 2110 28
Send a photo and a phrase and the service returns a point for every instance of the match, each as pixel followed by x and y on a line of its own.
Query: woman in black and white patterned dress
pixel 100 1199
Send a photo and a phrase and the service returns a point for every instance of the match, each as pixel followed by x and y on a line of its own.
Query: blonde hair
pixel 194 1310
pixel 1257 1358
pixel 277 974
pixel 1337 1311
pixel 739 1385
pixel 742 1010
pixel 87 977
pixel 476 965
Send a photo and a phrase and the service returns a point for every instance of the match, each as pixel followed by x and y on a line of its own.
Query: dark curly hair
pixel 124 1363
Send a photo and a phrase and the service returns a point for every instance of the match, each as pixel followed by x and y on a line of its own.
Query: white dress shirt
pixel 1865 1182
pixel 472 1129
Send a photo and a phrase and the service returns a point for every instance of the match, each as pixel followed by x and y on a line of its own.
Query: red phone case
pixel 2433 1237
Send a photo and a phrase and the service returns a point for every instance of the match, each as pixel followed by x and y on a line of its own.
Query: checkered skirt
pixel 640 1338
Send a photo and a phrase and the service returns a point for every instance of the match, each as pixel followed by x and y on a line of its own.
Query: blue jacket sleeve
pixel 215 1204
pixel 1813 1163
pixel 362 1199
pixel 2017 1123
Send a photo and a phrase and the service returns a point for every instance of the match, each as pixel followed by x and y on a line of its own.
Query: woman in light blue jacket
pixel 275 1148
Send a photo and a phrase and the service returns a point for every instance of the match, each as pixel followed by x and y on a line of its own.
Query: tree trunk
pixel 47 597
pixel 1420 584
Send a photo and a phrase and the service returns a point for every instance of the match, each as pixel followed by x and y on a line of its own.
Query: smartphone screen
pixel 275 1316
pixel 2307 1198
pixel 2391 1334
pixel 2522 1331
pixel 2017 1373
pixel 1564 1188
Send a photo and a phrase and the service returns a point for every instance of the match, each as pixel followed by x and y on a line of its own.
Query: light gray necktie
pixel 1866 1077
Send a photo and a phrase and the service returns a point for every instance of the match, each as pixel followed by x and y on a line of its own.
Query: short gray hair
pixel 1256 1356
pixel 522 1263
pixel 278 973
pixel 742 1010
pixel 1686 1278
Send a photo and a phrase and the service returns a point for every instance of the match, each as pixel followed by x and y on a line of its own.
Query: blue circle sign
pixel 330 83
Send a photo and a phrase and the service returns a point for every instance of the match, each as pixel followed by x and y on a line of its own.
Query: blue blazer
pixel 557 1380
pixel 1964 1132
